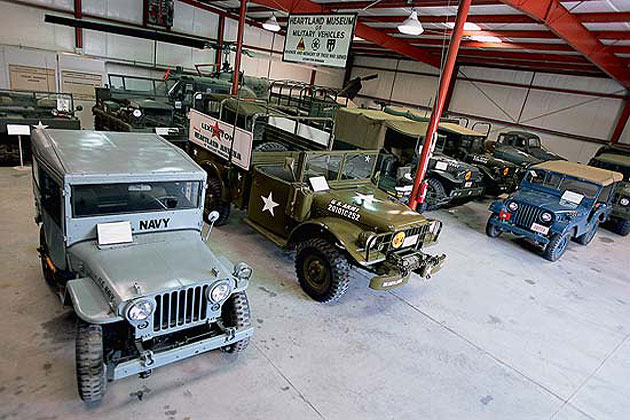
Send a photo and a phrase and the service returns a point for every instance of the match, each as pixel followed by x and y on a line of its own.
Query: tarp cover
pixel 596 175
pixel 415 115
pixel 366 128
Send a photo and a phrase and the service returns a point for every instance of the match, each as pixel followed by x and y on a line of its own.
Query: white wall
pixel 572 115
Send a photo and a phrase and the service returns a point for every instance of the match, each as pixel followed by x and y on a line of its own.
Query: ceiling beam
pixel 533 34
pixel 361 30
pixel 569 27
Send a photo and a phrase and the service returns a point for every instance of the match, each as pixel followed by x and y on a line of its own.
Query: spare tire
pixel 271 146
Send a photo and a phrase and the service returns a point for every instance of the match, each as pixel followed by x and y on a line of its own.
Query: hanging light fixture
pixel 271 24
pixel 411 25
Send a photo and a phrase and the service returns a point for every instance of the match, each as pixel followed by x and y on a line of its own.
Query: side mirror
pixel 79 108
pixel 212 217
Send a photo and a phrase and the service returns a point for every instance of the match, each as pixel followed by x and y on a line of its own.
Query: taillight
pixel 504 215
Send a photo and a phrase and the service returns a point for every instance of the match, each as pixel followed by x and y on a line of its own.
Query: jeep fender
pixel 343 232
pixel 213 171
pixel 444 176
pixel 497 206
pixel 88 302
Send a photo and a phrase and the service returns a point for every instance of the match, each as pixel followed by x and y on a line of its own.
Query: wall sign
pixel 216 136
pixel 319 39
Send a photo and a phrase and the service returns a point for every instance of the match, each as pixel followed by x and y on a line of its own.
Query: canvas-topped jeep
pixel 557 201
pixel 616 160
pixel 323 204
pixel 450 180
pixel 121 242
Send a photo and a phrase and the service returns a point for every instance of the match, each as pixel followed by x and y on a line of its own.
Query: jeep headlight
pixel 513 206
pixel 137 113
pixel 546 217
pixel 219 292
pixel 624 201
pixel 140 310
pixel 242 271
pixel 398 240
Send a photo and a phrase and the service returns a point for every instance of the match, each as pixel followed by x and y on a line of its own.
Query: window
pixel 324 165
pixel 106 199
pixel 561 183
pixel 50 196
pixel 358 166
pixel 534 142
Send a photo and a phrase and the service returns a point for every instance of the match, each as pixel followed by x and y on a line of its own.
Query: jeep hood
pixel 549 202
pixel 154 261
pixel 367 206
pixel 512 154
pixel 545 155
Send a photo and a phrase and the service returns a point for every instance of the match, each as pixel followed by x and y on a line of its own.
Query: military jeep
pixel 323 204
pixel 556 201
pixel 54 110
pixel 121 242
pixel 450 180
pixel 615 160
pixel 521 148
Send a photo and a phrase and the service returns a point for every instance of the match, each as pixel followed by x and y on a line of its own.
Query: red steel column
pixel 621 123
pixel 78 32
pixel 219 50
pixel 239 46
pixel 420 186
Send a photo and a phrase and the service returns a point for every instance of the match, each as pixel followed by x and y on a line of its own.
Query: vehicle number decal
pixel 410 240
pixel 344 209
pixel 480 159
pixel 540 228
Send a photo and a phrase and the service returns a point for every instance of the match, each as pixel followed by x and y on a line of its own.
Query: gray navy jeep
pixel 121 242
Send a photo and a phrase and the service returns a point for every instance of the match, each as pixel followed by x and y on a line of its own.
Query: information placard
pixel 319 39
pixel 216 136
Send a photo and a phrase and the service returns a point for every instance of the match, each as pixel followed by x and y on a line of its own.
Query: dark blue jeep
pixel 556 201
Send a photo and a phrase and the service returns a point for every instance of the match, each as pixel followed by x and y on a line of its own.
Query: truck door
pixel 268 199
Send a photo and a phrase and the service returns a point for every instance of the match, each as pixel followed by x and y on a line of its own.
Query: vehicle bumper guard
pixel 160 358
pixel 399 267
pixel 508 227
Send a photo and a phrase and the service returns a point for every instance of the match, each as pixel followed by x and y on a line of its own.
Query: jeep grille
pixel 526 215
pixel 180 308
pixel 384 241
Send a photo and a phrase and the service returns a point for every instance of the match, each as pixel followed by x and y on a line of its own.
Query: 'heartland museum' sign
pixel 319 39
pixel 216 136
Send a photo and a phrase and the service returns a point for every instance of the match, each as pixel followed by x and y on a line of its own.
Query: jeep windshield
pixel 107 199
pixel 340 166
pixel 559 184
pixel 138 84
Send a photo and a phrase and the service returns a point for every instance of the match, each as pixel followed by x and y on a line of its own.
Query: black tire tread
pixel 585 238
pixel 223 206
pixel 338 263
pixel 236 313
pixel 550 252
pixel 491 230
pixel 271 146
pixel 437 186
pixel 622 227
pixel 91 372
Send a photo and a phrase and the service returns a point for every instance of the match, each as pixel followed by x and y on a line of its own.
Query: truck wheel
pixel 48 273
pixel 91 369
pixel 322 270
pixel 271 146
pixel 557 246
pixel 587 237
pixel 622 227
pixel 435 194
pixel 236 314
pixel 492 230
pixel 215 202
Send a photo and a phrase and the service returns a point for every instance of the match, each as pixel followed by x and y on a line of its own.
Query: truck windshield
pixel 561 183
pixel 106 199
pixel 358 166
pixel 355 166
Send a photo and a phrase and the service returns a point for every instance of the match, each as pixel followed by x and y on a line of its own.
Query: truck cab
pixel 121 243
pixel 522 148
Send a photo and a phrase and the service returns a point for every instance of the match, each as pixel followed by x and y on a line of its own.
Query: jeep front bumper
pixel 464 192
pixel 151 360
pixel 508 227
pixel 399 267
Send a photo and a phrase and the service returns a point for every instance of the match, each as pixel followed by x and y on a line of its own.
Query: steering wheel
pixel 163 200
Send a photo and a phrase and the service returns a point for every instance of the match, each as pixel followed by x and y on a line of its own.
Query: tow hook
pixel 146 358
pixel 230 332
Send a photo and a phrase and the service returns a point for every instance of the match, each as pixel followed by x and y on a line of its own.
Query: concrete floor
pixel 499 333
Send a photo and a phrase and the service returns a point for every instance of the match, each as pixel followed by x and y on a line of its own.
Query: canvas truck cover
pixel 366 128
pixel 596 175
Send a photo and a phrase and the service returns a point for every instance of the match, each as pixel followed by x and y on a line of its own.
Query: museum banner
pixel 220 138
pixel 319 39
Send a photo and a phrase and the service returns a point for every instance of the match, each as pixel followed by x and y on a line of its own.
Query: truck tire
pixel 557 246
pixel 435 194
pixel 587 237
pixel 48 274
pixel 213 201
pixel 322 271
pixel 235 313
pixel 622 227
pixel 91 369
pixel 271 146
pixel 492 230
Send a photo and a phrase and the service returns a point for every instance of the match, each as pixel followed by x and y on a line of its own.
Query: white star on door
pixel 40 126
pixel 269 204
